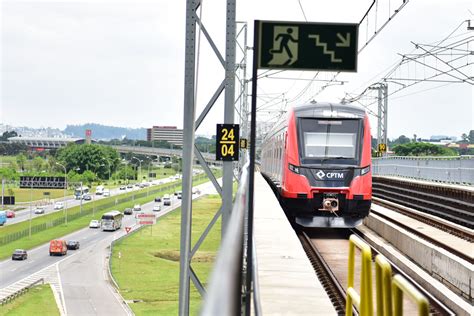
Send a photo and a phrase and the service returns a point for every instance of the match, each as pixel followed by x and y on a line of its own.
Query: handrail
pixel 19 292
pixel 383 281
pixel 256 287
pixel 363 302
pixel 401 286
pixel 225 287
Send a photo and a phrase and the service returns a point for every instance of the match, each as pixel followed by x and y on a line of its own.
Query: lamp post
pixel 140 165
pixel 65 188
pixel 108 163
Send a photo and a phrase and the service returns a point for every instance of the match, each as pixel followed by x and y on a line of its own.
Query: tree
pixel 6 135
pixel 93 157
pixel 423 149
pixel 38 164
pixel 471 137
pixel 21 160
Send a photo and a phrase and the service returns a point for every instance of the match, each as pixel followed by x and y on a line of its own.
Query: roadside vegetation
pixel 37 301
pixel 148 268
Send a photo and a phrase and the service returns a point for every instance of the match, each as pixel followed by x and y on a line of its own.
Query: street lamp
pixel 140 166
pixel 65 188
pixel 108 163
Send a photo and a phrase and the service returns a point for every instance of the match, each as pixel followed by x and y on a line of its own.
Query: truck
pixel 57 247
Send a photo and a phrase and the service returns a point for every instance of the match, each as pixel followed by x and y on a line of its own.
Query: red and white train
pixel 318 160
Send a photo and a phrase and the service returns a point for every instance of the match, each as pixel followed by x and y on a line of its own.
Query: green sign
pixel 308 46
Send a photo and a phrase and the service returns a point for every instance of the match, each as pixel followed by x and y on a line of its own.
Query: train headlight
pixel 364 170
pixel 294 168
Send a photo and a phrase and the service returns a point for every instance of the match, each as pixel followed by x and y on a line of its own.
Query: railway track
pixel 450 203
pixel 332 271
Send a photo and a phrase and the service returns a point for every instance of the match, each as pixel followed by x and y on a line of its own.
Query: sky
pixel 121 63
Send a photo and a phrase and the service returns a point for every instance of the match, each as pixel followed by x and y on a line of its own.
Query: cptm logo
pixel 329 175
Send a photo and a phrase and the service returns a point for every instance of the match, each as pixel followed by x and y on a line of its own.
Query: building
pixel 171 134
pixel 42 143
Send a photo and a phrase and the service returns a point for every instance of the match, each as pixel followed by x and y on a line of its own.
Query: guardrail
pixel 19 292
pixel 457 170
pixel 225 292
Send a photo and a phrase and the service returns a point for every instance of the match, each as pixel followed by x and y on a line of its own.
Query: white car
pixel 156 208
pixel 58 205
pixel 106 192
pixel 94 224
pixel 39 210
pixel 137 207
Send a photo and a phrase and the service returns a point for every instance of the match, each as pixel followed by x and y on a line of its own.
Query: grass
pixel 39 299
pixel 61 230
pixel 25 195
pixel 148 269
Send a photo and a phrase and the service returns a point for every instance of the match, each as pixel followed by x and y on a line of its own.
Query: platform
pixel 287 282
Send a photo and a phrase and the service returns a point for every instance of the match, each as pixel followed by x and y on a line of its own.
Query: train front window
pixel 330 140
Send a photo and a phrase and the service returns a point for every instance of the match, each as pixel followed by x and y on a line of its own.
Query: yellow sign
pixel 383 148
pixel 243 143
pixel 227 139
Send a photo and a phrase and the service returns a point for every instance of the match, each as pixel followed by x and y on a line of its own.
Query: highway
pixel 24 215
pixel 81 276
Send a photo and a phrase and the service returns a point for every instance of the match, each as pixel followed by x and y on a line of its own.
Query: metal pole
pixel 3 190
pixel 188 148
pixel 385 109
pixel 31 202
pixel 229 108
pixel 253 126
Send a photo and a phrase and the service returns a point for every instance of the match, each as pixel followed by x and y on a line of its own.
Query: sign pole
pixel 253 126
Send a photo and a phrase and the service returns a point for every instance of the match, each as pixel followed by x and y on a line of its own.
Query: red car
pixel 10 214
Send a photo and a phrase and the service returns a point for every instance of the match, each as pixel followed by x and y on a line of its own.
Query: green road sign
pixel 308 46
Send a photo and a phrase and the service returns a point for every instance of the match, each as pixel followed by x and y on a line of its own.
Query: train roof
pixel 330 110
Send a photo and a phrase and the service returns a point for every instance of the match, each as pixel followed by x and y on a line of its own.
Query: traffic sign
pixel 146 218
pixel 227 140
pixel 27 182
pixel 8 200
pixel 382 147
pixel 128 229
pixel 243 143
pixel 308 46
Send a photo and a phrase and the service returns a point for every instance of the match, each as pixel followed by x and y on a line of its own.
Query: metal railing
pixel 19 292
pixel 225 292
pixel 457 170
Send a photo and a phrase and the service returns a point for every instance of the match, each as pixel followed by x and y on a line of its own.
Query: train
pixel 318 161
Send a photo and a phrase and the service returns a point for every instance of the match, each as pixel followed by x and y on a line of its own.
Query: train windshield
pixel 330 140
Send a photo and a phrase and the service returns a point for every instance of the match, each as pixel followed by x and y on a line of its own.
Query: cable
pixel 299 1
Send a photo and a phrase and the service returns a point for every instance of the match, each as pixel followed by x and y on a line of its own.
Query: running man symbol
pixel 285 45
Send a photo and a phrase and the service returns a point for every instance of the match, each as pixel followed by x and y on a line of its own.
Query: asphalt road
pixel 83 276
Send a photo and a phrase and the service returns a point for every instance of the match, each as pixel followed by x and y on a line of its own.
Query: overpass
pixel 161 152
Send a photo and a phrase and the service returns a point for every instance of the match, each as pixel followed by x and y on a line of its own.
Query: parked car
pixel 106 192
pixel 166 199
pixel 157 199
pixel 128 211
pixel 87 197
pixel 57 247
pixel 156 208
pixel 137 207
pixel 58 205
pixel 10 214
pixel 39 210
pixel 19 254
pixel 72 244
pixel 123 187
pixel 94 224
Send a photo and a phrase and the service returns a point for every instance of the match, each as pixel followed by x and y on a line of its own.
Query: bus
pixel 3 218
pixel 80 191
pixel 111 220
